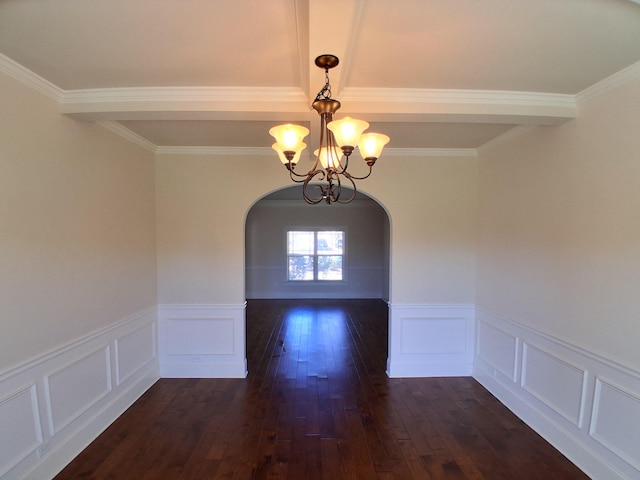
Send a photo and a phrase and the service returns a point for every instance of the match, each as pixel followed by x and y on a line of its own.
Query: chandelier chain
pixel 325 93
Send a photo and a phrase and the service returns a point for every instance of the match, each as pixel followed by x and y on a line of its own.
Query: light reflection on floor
pixel 318 339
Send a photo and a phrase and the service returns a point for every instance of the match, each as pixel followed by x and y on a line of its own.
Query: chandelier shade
pixel 338 139
pixel 347 131
pixel 371 145
pixel 289 137
pixel 329 158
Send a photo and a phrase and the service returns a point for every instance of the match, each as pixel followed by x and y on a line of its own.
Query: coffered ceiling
pixel 217 74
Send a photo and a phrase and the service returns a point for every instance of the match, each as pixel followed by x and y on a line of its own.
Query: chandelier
pixel 338 139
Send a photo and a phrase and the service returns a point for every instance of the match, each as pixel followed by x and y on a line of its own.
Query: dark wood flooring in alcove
pixel 318 405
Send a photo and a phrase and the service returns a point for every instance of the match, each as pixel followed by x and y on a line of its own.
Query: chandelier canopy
pixel 338 140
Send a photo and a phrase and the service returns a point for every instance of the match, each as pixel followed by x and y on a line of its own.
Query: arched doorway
pixel 365 227
pixel 365 251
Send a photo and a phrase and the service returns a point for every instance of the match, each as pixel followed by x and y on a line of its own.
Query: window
pixel 315 255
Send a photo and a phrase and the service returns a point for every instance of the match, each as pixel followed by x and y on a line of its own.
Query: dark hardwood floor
pixel 318 405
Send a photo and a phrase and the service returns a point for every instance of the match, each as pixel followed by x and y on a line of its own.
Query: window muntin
pixel 315 255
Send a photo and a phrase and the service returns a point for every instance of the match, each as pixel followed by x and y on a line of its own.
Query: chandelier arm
pixel 334 189
pixel 352 177
pixel 355 190
pixel 291 175
pixel 346 164
pixel 311 199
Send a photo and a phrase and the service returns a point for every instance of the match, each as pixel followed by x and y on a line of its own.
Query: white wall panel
pixel 200 336
pixel 616 421
pixel 76 387
pixel 498 348
pixel 554 381
pixel 20 433
pixel 430 340
pixel 561 392
pixel 202 341
pixel 434 335
pixel 134 350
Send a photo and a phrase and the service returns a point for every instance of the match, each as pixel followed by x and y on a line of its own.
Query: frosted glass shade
pixel 289 136
pixel 347 131
pixel 283 157
pixel 371 145
pixel 329 158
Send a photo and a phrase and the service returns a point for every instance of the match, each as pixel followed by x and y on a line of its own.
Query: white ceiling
pixel 433 74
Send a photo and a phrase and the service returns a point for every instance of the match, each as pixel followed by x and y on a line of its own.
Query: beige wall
pixel 203 202
pixel 77 227
pixel 559 243
pixel 432 206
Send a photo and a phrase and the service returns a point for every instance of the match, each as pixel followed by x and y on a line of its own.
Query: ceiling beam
pixel 292 105
pixel 333 27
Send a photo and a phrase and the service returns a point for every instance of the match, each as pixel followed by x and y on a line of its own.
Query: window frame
pixel 315 256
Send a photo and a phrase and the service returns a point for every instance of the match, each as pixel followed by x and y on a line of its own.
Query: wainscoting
pixel 53 406
pixel 586 406
pixel 202 341
pixel 430 340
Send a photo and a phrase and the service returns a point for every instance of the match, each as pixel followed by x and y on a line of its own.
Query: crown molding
pixel 109 104
pixel 215 151
pixel 430 152
pixel 189 94
pixel 127 134
pixel 499 97
pixel 229 102
pixel 510 134
pixel 264 151
pixel 27 77
pixel 201 103
pixel 445 105
pixel 618 79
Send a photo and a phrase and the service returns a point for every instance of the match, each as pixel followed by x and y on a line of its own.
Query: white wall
pixel 558 305
pixel 77 228
pixel 77 281
pixel 266 255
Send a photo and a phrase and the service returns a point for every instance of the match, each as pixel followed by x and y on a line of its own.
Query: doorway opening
pixel 356 236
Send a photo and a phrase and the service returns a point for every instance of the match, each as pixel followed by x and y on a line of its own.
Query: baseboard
pixel 586 406
pixel 430 340
pixel 202 341
pixel 53 406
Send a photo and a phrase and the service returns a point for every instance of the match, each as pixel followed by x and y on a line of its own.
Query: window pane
pixel 330 267
pixel 301 268
pixel 300 243
pixel 330 242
